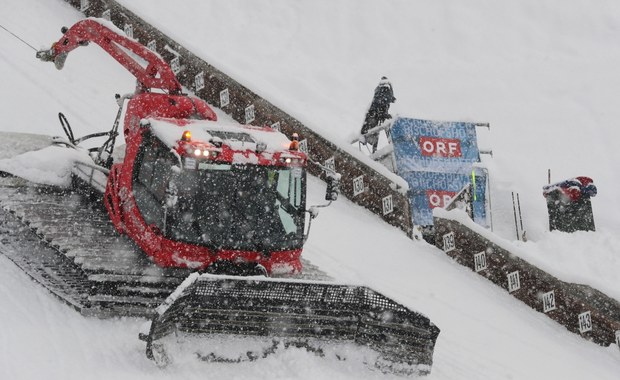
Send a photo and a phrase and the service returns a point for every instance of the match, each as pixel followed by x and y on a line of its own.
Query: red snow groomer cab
pixel 233 197
pixel 196 193
pixel 192 192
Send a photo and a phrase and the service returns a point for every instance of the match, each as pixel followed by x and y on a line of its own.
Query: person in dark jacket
pixel 378 111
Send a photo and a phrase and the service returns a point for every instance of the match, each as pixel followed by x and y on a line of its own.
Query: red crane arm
pixel 155 73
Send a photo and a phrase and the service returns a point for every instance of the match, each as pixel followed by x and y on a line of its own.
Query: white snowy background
pixel 542 73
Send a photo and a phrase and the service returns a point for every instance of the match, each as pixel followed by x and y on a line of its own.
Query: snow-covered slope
pixel 482 62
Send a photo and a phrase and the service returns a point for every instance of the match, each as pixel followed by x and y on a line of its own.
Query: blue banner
pixel 428 190
pixel 426 145
pixel 436 159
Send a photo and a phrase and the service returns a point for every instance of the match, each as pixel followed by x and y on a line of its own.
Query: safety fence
pixel 362 182
pixel 580 308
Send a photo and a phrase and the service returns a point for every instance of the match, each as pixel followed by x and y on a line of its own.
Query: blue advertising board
pixel 437 158
pixel 428 190
pixel 427 145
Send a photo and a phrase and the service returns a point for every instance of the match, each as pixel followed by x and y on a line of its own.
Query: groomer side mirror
pixel 333 187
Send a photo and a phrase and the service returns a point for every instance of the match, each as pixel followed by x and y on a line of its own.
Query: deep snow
pixel 542 73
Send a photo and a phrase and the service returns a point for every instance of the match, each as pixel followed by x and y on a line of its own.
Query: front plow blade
pixel 209 316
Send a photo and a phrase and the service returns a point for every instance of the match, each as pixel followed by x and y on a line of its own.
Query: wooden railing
pixel 580 308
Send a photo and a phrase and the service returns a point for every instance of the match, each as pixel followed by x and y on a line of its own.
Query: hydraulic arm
pixel 153 73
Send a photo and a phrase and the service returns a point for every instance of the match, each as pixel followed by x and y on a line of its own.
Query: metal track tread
pixel 67 244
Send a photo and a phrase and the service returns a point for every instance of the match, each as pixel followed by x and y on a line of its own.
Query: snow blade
pixel 316 316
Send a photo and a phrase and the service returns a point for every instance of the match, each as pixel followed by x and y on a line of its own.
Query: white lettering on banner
pixel 514 282
pixel 585 322
pixel 107 15
pixel 437 201
pixel 388 206
pixel 440 147
pixel 276 126
pixel 358 185
pixel 548 301
pixel 224 98
pixel 199 81
pixel 128 30
pixel 427 146
pixel 84 5
pixel 448 242
pixel 480 261
pixel 439 198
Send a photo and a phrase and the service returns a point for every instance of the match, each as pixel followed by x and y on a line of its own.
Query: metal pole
pixel 520 218
pixel 514 210
pixel 488 206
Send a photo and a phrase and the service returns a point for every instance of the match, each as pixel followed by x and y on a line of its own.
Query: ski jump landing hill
pixel 580 309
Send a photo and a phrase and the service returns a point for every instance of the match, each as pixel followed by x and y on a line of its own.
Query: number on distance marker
pixel 585 322
pixel 448 242
pixel 549 301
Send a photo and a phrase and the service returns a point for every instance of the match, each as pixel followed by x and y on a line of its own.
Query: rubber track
pixel 67 244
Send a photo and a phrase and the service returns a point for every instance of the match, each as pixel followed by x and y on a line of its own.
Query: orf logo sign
pixel 439 198
pixel 440 147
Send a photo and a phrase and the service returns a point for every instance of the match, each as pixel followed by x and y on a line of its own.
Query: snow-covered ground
pixel 542 73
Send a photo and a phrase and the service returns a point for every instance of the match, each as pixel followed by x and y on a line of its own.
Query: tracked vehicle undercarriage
pixel 67 243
